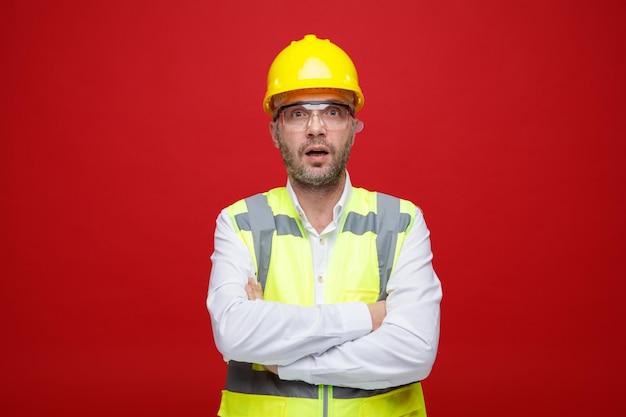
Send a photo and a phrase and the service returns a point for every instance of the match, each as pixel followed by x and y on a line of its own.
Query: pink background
pixel 126 126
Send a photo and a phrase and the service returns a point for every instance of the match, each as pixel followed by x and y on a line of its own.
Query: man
pixel 322 296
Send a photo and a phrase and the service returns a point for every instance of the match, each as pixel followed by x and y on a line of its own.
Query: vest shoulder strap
pixel 262 227
pixel 386 238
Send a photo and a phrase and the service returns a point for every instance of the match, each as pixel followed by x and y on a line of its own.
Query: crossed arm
pixel 377 310
pixel 349 344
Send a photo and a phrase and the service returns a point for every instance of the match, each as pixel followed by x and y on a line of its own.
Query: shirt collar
pixel 338 210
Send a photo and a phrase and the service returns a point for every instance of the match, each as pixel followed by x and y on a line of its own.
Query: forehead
pixel 314 96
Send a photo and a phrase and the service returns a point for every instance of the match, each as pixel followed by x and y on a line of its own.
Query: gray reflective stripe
pixel 262 223
pixel 285 225
pixel 386 238
pixel 242 378
pixel 360 224
pixel 386 224
pixel 243 221
pixel 262 227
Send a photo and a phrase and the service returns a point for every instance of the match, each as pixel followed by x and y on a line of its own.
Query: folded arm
pixel 403 349
pixel 268 332
pixel 330 343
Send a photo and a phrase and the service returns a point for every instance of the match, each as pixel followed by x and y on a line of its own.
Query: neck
pixel 318 201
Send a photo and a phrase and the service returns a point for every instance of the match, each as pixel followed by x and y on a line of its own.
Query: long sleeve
pixel 403 349
pixel 269 332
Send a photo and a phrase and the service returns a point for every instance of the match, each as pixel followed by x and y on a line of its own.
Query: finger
pixel 254 291
pixel 258 291
pixel 250 292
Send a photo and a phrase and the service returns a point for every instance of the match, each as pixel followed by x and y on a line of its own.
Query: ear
pixel 274 133
pixel 359 126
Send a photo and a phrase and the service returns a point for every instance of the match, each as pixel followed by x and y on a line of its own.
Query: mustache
pixel 316 142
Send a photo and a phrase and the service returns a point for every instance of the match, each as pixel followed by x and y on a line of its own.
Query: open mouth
pixel 316 152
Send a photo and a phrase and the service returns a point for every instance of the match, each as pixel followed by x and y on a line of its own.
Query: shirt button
pixel 321 240
pixel 320 279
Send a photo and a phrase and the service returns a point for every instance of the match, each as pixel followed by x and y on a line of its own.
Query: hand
pixel 378 311
pixel 254 290
pixel 272 368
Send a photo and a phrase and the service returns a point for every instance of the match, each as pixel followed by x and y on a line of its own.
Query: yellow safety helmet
pixel 311 63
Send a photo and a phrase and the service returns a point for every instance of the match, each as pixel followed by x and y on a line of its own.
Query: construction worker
pixel 322 296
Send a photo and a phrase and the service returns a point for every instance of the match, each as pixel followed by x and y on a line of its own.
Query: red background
pixel 127 125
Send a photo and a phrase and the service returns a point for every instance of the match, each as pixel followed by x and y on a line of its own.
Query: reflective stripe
pixel 387 205
pixel 285 225
pixel 262 223
pixel 360 224
pixel 262 227
pixel 386 238
pixel 243 379
pixel 386 224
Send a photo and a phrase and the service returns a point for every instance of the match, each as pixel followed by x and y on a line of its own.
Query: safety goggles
pixel 298 116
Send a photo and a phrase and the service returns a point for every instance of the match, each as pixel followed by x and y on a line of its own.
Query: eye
pixel 296 113
pixel 335 112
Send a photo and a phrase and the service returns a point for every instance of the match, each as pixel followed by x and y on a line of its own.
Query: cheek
pixel 287 140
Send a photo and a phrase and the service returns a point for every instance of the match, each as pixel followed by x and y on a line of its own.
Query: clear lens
pixel 332 115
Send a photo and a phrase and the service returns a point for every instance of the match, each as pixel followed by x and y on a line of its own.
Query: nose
pixel 315 127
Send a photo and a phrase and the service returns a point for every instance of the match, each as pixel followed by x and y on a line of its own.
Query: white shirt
pixel 328 343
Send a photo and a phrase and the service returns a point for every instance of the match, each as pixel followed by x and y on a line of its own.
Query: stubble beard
pixel 311 177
